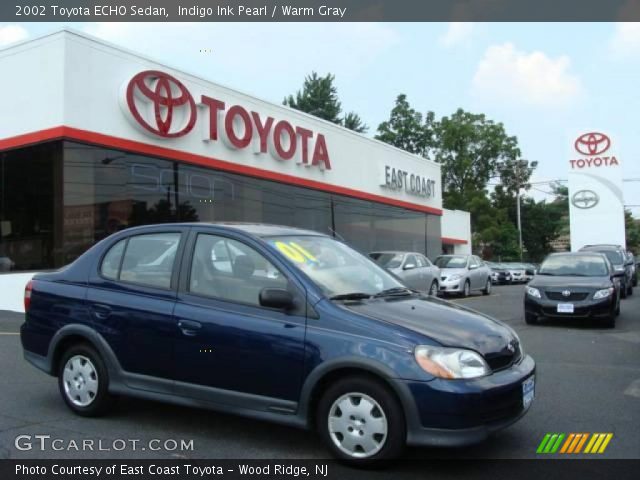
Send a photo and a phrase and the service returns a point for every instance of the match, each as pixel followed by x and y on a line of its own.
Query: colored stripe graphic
pixel 573 443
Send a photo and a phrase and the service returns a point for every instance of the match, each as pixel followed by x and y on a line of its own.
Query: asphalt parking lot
pixel 588 380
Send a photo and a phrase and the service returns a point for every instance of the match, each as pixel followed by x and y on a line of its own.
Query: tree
pixel 632 229
pixel 406 128
pixel 319 97
pixel 472 150
pixel 352 121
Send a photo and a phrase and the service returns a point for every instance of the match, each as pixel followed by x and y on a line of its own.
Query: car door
pixel 475 273
pixel 428 271
pixel 131 297
pixel 412 273
pixel 231 349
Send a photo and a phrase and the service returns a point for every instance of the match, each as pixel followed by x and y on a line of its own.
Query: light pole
pixel 522 169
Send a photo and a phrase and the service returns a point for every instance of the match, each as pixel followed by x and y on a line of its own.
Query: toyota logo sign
pixel 161 104
pixel 592 143
pixel 585 199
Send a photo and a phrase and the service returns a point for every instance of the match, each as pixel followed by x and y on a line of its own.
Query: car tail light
pixel 27 295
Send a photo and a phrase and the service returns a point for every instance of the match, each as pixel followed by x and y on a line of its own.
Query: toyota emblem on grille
pixel 566 293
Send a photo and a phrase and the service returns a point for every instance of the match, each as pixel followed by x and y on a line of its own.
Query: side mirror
pixel 276 298
pixel 473 267
pixel 409 266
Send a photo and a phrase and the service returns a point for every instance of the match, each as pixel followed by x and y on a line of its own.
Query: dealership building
pixel 95 138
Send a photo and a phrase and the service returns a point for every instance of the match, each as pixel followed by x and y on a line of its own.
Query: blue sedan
pixel 275 323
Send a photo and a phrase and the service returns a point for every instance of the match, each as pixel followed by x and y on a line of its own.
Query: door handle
pixel 101 311
pixel 189 327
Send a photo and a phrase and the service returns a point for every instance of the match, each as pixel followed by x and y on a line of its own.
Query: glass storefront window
pixel 58 199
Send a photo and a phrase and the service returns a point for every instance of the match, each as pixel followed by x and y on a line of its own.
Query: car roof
pixel 604 246
pixel 256 229
pixel 585 253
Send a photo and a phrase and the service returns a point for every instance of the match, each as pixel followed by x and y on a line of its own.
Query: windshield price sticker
pixel 295 252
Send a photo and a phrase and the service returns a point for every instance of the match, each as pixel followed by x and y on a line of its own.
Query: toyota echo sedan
pixel 581 285
pixel 278 324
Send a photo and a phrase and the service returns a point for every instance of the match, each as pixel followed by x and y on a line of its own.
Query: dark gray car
pixel 621 263
pixel 414 269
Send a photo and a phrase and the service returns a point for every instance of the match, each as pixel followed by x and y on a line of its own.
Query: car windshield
pixel 574 265
pixel 613 256
pixel 458 261
pixel 387 260
pixel 336 268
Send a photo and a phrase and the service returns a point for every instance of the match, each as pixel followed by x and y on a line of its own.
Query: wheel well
pixel 338 374
pixel 62 346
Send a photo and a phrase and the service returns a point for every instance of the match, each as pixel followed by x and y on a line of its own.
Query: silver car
pixel 414 269
pixel 462 274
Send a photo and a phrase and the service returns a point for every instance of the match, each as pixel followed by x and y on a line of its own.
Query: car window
pixel 574 265
pixel 411 260
pixel 425 261
pixel 226 269
pixel 451 261
pixel 387 260
pixel 111 261
pixel 474 262
pixel 149 258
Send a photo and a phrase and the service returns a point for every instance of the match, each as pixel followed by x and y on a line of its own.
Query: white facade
pixel 456 231
pixel 69 85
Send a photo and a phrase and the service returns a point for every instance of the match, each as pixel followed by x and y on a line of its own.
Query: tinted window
pixel 148 259
pixel 388 260
pixel 452 262
pixel 226 269
pixel 111 262
pixel 574 265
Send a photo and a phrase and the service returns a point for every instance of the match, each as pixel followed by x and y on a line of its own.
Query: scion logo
pixel 592 143
pixel 161 104
pixel 585 199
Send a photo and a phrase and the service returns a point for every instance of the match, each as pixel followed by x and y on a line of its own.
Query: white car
pixel 518 273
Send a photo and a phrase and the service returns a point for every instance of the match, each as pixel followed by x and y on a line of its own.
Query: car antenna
pixel 336 234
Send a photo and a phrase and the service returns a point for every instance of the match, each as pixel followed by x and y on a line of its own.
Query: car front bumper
pixel 583 309
pixel 463 412
pixel 451 286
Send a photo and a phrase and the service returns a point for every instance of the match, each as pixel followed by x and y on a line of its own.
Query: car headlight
pixel 604 293
pixel 451 363
pixel 534 292
pixel 455 276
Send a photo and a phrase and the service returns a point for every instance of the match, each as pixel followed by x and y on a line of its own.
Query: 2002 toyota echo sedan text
pixel 279 324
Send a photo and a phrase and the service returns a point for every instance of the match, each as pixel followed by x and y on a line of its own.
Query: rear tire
pixel 487 287
pixel 83 381
pixel 361 435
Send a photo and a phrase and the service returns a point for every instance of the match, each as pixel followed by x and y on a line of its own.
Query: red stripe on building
pixel 454 241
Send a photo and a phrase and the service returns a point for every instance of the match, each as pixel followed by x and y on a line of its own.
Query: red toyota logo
pixel 168 101
pixel 592 143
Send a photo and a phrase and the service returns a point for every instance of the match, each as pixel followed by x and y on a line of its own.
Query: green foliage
pixel 352 121
pixel 632 226
pixel 407 129
pixel 319 97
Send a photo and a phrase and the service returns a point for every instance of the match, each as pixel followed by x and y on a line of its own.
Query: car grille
pixel 573 296
pixel 504 359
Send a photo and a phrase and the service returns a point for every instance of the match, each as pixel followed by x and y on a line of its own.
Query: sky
pixel 546 82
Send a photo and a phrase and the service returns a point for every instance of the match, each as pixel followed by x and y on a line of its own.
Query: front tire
pixel 361 421
pixel 433 290
pixel 84 382
pixel 466 290
pixel 487 287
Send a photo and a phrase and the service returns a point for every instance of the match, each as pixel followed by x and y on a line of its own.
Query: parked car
pixel 574 286
pixel 463 273
pixel 529 271
pixel 618 257
pixel 302 330
pixel 518 272
pixel 499 273
pixel 414 269
pixel 634 268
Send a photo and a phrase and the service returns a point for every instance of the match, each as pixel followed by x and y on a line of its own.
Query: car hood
pixel 448 324
pixel 450 271
pixel 548 281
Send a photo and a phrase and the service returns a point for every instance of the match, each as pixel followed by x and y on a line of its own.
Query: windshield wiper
pixel 351 296
pixel 395 291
